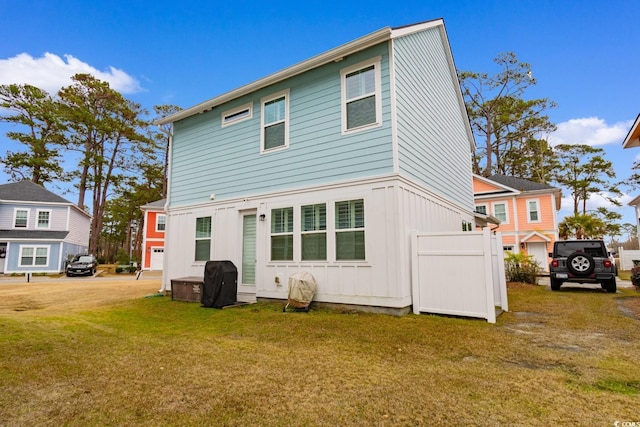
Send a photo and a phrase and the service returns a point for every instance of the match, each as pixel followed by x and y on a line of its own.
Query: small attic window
pixel 237 115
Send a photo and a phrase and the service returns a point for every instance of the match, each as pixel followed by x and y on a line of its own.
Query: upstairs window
pixel 43 219
pixel 350 230
pixel 237 115
pixel 314 232
pixel 203 238
pixel 275 121
pixel 20 220
pixel 500 212
pixel 282 234
pixel 534 211
pixel 481 209
pixel 361 96
pixel 161 222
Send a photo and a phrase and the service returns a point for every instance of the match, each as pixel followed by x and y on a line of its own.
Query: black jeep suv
pixel 581 261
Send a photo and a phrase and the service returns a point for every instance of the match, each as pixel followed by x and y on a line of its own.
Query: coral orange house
pixel 527 212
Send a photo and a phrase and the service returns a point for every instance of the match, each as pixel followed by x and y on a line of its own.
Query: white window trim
pixel 48 227
pixel 35 250
pixel 294 222
pixel 506 210
pixel 508 248
pixel 224 121
pixel 263 101
pixel 157 222
pixel 337 230
pixel 328 230
pixel 378 94
pixel 537 202
pixel 15 216
pixel 486 208
pixel 195 239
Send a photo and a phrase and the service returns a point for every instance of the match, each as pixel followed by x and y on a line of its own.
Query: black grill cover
pixel 220 284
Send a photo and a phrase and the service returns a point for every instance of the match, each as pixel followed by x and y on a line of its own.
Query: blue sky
pixel 584 54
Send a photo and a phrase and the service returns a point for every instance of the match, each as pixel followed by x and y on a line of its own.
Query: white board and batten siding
pixel 460 274
pixel 393 207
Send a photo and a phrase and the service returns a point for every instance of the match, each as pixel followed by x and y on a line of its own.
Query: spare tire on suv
pixel 581 261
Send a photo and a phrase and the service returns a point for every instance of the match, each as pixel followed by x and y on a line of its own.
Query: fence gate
pixel 459 273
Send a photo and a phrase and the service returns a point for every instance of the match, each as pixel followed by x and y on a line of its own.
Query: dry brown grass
pixel 566 357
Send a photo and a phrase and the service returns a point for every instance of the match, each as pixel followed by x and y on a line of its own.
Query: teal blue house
pixel 326 167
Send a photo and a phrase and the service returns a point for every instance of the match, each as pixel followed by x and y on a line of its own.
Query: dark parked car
pixel 582 261
pixel 82 265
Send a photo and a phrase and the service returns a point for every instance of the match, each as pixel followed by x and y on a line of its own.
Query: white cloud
pixel 594 202
pixel 51 72
pixel 590 131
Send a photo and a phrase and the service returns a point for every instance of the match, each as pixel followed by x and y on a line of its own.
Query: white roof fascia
pixel 410 29
pixel 629 141
pixel 497 184
pixel 634 202
pixel 333 55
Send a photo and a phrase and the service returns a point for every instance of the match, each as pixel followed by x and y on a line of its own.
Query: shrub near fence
pixel 521 268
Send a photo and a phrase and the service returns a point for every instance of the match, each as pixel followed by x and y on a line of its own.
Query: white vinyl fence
pixel 459 273
pixel 626 257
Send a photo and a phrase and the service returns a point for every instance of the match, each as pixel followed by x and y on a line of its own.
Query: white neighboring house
pixel 325 167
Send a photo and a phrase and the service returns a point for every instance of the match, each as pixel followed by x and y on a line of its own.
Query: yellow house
pixel 527 212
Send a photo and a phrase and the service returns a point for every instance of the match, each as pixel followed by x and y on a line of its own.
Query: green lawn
pixel 567 358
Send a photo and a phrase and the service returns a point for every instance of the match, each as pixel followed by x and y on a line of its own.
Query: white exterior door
pixel 157 254
pixel 539 252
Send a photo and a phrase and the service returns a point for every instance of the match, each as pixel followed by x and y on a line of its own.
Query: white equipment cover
pixel 302 288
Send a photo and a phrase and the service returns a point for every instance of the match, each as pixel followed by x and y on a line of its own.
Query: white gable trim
pixel 633 137
pixel 334 55
pixel 496 184
pixel 410 29
pixel 535 234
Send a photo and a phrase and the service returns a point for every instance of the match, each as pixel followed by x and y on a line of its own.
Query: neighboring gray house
pixel 39 229
pixel 326 167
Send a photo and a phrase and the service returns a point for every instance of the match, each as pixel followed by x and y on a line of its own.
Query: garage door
pixel 157 254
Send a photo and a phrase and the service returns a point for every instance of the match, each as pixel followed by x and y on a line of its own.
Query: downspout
pixel 166 283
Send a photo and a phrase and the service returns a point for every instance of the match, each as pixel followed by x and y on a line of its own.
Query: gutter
pixel 333 55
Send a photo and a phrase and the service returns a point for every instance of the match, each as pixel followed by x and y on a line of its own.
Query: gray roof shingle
pixel 33 234
pixel 519 183
pixel 27 191
pixel 158 204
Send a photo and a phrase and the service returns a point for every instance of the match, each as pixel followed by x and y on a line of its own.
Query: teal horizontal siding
pixel 207 158
pixel 433 146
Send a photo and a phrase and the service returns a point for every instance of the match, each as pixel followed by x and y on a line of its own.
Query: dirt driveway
pixel 51 295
